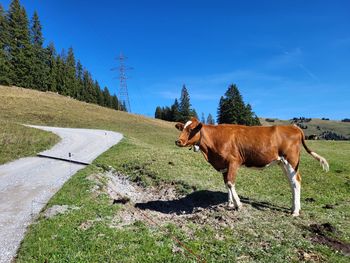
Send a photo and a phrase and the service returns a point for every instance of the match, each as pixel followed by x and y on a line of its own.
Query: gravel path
pixel 27 184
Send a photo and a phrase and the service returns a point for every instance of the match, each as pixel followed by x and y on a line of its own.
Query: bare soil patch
pixel 322 234
pixel 161 205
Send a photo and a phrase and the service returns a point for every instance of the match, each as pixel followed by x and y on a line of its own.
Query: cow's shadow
pixel 201 199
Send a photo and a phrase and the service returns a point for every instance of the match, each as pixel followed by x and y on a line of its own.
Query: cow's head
pixel 190 134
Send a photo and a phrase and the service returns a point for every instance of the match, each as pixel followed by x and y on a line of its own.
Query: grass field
pixel 317 126
pixel 18 141
pixel 263 231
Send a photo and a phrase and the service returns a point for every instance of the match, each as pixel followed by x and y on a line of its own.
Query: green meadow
pixel 263 231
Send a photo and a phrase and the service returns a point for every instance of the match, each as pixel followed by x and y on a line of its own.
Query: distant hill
pixel 322 128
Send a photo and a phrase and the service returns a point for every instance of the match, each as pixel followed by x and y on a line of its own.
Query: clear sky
pixel 288 58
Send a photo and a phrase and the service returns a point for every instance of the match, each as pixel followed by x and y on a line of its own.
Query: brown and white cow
pixel 227 147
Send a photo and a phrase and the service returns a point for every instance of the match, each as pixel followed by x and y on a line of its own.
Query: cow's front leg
pixel 230 179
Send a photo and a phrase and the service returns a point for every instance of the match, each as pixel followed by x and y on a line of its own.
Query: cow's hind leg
pixel 290 170
pixel 230 179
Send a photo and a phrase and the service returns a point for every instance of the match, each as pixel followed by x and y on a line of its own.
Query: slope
pixel 263 231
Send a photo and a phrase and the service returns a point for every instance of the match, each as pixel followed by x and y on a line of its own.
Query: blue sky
pixel 288 58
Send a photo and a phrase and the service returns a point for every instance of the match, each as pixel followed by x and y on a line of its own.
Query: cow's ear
pixel 198 127
pixel 194 120
pixel 179 126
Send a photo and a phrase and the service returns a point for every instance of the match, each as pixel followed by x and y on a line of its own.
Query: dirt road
pixel 28 183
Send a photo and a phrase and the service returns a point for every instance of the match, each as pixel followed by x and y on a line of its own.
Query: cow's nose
pixel 177 142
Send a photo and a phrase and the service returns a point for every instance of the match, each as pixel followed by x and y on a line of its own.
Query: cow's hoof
pixel 295 214
pixel 239 207
pixel 230 205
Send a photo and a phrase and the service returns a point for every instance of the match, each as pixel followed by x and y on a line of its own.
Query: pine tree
pixel 52 67
pixel 115 102
pixel 79 82
pixel 233 110
pixel 40 68
pixel 193 113
pixel 100 97
pixel 60 72
pixel 181 112
pixel 158 113
pixel 210 119
pixel 221 110
pixel 70 83
pixel 26 63
pixel 36 31
pixel 250 117
pixel 167 114
pixel 107 98
pixel 184 105
pixel 175 113
pixel 5 65
pixel 21 53
pixel 90 89
pixel 203 118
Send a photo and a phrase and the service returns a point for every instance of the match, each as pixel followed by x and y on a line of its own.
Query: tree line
pixel 27 63
pixel 231 109
pixel 179 111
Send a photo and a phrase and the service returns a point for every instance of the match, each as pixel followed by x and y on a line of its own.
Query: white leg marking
pixel 230 201
pixel 233 196
pixel 187 123
pixel 295 185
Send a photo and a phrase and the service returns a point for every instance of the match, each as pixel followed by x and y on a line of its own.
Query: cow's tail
pixel 318 157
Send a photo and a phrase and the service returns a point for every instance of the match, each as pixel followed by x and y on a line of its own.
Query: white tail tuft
pixel 323 161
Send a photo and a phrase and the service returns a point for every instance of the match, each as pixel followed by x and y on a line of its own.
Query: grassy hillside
pixel 18 141
pixel 263 231
pixel 317 126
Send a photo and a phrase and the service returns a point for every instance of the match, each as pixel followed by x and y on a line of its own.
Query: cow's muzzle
pixel 178 143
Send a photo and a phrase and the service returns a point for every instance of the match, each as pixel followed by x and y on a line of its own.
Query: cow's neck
pixel 204 143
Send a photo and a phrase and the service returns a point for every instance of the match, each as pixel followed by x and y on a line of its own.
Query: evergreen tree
pixel 193 113
pixel 210 119
pixel 5 66
pixel 250 117
pixel 52 68
pixel 70 83
pixel 178 111
pixel 167 114
pixel 233 110
pixel 36 34
pixel 100 98
pixel 89 89
pixel 158 113
pixel 115 102
pixel 79 82
pixel 185 111
pixel 60 70
pixel 99 95
pixel 107 98
pixel 221 110
pixel 26 63
pixel 175 113
pixel 21 53
pixel 40 68
pixel 203 118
